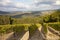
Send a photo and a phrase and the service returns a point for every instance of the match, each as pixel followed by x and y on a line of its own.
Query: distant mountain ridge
pixel 3 13
pixel 30 13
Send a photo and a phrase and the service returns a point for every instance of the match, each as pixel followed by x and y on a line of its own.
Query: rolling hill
pixel 19 14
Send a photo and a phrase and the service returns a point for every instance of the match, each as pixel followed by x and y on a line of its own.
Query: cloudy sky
pixel 29 5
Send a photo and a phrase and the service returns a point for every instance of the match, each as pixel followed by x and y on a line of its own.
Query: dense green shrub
pixel 45 28
pixel 5 29
pixel 32 29
pixel 46 19
pixel 18 28
pixel 13 28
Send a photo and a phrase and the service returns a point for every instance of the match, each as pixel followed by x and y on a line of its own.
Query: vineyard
pixel 17 28
pixel 44 27
pixel 20 28
pixel 55 26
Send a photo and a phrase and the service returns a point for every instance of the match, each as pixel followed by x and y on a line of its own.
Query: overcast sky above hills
pixel 27 5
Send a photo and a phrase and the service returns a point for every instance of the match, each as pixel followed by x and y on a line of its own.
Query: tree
pixel 4 19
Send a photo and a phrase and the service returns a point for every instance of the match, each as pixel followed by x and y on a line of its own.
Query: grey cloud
pixel 40 5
